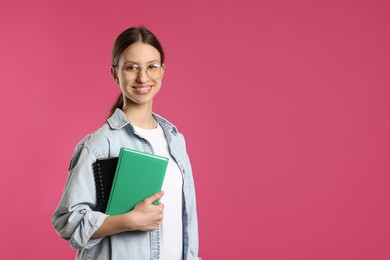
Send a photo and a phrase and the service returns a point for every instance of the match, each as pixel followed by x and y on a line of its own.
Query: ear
pixel 164 67
pixel 114 74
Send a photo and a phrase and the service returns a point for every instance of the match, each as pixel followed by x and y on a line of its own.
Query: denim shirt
pixel 75 220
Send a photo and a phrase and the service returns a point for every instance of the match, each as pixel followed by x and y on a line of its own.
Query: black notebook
pixel 103 172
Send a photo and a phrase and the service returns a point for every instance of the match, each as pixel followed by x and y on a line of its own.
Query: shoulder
pixel 98 142
pixel 104 142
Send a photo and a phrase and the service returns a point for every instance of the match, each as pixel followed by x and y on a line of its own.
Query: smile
pixel 142 89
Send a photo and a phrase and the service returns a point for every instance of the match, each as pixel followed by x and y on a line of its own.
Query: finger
pixel 154 197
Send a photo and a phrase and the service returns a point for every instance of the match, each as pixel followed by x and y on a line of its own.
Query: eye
pixel 153 66
pixel 131 67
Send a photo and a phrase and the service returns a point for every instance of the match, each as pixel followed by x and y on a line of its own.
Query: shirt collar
pixel 118 120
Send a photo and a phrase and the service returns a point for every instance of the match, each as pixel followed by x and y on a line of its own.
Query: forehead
pixel 140 52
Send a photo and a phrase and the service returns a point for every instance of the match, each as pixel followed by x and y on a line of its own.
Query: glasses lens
pixel 155 71
pixel 131 71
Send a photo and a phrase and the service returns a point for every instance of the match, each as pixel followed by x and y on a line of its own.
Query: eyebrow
pixel 133 62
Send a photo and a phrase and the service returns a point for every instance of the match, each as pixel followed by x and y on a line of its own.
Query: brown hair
pixel 124 40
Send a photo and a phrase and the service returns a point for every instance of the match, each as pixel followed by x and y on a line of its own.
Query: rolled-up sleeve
pixel 74 218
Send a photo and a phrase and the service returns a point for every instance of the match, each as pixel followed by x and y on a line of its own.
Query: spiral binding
pixel 100 196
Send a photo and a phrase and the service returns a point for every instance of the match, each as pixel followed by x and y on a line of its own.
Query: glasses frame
pixel 145 69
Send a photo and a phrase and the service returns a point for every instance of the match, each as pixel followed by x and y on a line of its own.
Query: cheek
pixel 128 80
pixel 125 82
pixel 125 85
pixel 158 83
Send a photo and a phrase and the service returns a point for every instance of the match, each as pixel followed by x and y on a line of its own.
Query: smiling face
pixel 139 89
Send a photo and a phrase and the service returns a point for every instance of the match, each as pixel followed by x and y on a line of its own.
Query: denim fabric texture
pixel 76 221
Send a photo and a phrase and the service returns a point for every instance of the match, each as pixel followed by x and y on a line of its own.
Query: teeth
pixel 144 88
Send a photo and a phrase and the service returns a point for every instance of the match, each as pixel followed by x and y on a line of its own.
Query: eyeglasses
pixel 131 71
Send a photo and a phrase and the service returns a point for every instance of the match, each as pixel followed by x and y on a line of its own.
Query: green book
pixel 138 176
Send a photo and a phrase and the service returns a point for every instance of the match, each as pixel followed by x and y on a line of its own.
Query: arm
pixel 145 216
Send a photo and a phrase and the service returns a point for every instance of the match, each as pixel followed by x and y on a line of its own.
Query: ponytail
pixel 118 104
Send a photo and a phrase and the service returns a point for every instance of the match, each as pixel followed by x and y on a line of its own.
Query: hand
pixel 146 216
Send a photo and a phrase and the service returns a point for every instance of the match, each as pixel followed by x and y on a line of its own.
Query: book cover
pixel 138 176
pixel 103 173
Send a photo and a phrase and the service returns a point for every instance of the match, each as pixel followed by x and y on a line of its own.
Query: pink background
pixel 284 104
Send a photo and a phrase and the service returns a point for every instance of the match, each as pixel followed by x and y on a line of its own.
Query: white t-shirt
pixel 172 223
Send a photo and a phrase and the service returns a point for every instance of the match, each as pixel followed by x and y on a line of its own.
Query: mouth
pixel 142 89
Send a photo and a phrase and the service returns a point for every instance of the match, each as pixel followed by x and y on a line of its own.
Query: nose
pixel 142 76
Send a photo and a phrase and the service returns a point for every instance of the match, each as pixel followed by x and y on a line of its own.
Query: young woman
pixel 167 231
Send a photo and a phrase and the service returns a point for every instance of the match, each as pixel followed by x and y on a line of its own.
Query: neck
pixel 140 115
